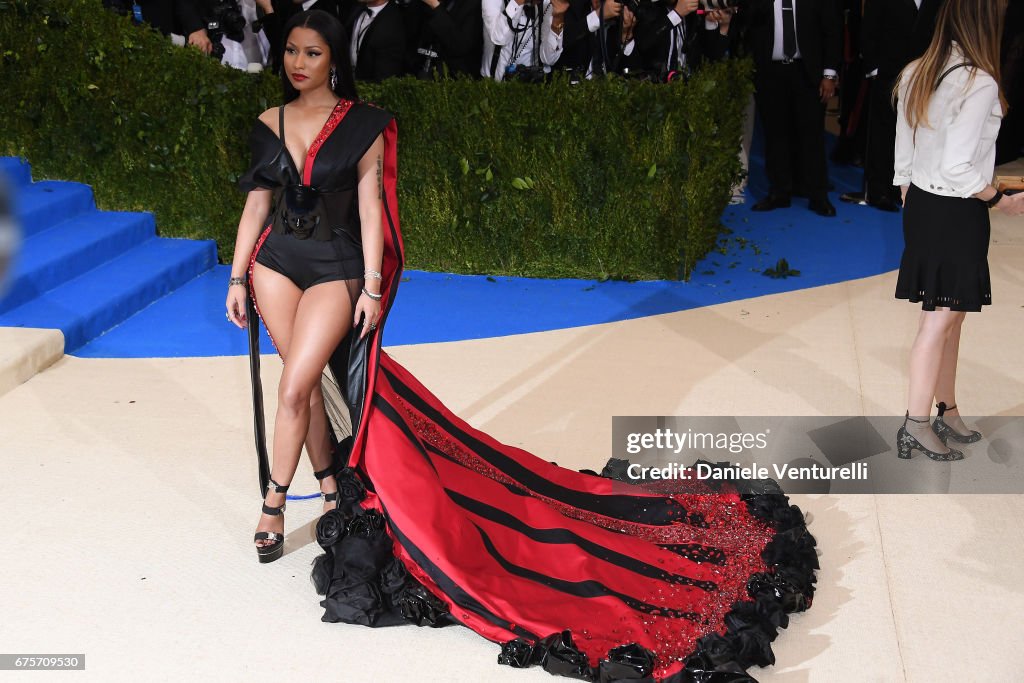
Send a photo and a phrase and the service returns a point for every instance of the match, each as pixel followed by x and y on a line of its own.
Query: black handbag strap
pixel 949 71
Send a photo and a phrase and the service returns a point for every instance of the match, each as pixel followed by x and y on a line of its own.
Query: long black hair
pixel 336 37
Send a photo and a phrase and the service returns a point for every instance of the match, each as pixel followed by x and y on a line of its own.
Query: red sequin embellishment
pixel 333 120
pixel 252 286
pixel 719 524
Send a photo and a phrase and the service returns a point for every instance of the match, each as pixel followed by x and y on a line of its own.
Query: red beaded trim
pixel 332 122
pixel 252 286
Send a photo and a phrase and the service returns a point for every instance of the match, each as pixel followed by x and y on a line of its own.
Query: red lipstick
pixel 299 77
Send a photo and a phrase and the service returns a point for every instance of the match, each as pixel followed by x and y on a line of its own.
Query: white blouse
pixel 955 154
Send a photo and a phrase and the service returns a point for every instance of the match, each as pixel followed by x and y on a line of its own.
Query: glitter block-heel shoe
pixel 907 442
pixel 945 432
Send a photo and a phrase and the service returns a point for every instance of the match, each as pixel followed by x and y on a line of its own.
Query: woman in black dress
pixel 601 577
pixel 307 267
pixel 949 106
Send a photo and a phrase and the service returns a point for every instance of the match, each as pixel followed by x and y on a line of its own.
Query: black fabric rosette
pixel 358 574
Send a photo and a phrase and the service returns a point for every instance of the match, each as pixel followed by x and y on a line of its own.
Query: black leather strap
pixel 949 71
pixel 267 510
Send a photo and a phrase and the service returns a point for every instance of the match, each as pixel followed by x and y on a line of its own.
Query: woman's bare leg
pixel 945 388
pixel 322 319
pixel 925 364
pixel 279 300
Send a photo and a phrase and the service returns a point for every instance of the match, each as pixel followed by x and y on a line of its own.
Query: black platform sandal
pixel 274 550
pixel 330 470
pixel 907 442
pixel 945 432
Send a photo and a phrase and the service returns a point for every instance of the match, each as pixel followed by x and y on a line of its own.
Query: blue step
pixel 87 306
pixel 15 171
pixel 71 248
pixel 42 205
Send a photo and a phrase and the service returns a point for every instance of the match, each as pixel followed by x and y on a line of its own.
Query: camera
pixel 525 74
pixel 223 19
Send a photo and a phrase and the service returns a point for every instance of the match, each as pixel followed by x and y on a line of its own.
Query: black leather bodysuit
pixel 314 231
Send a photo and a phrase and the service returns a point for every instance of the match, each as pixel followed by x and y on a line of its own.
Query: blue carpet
pixel 438 307
pixel 431 307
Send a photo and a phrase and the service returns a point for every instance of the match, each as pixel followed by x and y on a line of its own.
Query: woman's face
pixel 307 59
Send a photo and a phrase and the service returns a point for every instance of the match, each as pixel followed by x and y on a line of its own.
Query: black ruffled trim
pixel 751 625
pixel 358 574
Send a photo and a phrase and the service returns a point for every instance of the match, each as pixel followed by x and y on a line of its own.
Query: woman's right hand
pixel 1012 204
pixel 236 306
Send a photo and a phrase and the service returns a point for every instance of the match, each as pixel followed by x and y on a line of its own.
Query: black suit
pixel 383 48
pixel 1011 134
pixel 787 95
pixel 894 34
pixel 455 30
pixel 654 32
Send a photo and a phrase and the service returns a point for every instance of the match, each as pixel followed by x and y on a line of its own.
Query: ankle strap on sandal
pixel 943 408
pixel 268 510
pixel 274 487
pixel 913 419
pixel 327 471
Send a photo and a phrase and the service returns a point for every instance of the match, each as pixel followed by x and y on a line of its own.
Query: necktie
pixel 788 29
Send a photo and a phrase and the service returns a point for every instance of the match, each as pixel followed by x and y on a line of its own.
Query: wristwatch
pixel 995 199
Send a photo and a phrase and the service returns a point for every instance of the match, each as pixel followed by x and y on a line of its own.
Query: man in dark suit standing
pixel 895 32
pixel 796 46
pixel 377 31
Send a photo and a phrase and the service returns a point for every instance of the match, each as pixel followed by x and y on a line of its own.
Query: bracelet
pixel 995 199
pixel 375 297
pixel 370 273
pixel 236 281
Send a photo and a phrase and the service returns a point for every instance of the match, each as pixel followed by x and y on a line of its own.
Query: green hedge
pixel 607 178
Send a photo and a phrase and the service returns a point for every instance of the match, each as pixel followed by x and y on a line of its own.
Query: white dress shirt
pixel 498 35
pixel 778 49
pixel 360 28
pixel 955 154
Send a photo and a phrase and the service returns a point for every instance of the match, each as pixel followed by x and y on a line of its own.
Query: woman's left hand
pixel 369 311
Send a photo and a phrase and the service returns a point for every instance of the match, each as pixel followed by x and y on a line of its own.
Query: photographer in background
pixel 376 29
pixel 450 36
pixel 510 31
pixel 587 24
pixel 170 17
pixel 672 37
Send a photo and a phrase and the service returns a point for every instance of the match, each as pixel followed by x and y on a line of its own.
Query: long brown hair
pixel 977 27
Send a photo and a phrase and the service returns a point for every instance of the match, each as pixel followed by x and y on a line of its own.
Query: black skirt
pixel 945 254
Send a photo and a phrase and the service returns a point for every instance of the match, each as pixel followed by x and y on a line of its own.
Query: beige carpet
pixel 130 495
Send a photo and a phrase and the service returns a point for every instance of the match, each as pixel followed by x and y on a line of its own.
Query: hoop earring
pixel 334 78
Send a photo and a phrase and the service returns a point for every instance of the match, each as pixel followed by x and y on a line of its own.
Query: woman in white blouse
pixel 949 107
